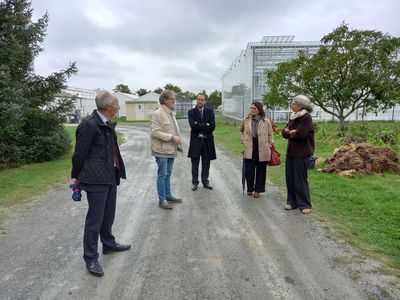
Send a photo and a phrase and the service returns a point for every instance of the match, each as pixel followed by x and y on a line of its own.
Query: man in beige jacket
pixel 165 143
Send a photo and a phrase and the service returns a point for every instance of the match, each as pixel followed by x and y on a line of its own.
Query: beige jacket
pixel 265 138
pixel 162 131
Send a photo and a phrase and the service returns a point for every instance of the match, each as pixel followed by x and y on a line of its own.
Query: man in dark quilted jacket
pixel 98 166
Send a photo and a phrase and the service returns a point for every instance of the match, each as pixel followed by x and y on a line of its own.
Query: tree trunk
pixel 341 123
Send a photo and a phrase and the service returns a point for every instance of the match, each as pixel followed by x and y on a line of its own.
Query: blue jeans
pixel 163 177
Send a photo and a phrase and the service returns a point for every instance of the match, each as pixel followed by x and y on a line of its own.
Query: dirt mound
pixel 358 159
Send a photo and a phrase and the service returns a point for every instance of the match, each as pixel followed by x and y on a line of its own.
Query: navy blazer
pixel 200 126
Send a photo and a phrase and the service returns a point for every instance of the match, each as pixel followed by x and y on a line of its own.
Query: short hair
pixel 103 99
pixel 303 102
pixel 165 94
pixel 202 94
pixel 259 107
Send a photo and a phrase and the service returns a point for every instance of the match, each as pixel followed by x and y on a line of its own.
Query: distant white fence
pixel 239 108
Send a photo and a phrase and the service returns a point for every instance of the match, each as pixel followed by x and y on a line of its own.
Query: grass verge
pixel 364 211
pixel 19 185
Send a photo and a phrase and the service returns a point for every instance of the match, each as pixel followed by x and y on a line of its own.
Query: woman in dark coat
pixel 300 134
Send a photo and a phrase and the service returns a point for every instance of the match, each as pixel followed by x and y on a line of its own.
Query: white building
pixel 141 108
pixel 244 81
pixel 85 100
pixel 123 99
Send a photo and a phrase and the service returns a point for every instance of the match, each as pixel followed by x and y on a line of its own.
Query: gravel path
pixel 217 244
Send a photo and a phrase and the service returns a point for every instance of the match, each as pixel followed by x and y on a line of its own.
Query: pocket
pixel 166 127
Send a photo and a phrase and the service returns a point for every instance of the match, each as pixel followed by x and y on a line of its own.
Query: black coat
pixel 197 126
pixel 93 158
pixel 301 143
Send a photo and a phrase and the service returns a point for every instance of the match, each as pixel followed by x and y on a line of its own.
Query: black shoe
pixel 174 199
pixel 207 186
pixel 116 248
pixel 164 205
pixel 194 187
pixel 94 268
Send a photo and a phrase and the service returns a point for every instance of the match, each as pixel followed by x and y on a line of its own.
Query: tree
pixel 216 98
pixel 353 69
pixel 170 86
pixel 189 95
pixel 32 115
pixel 142 92
pixel 122 88
pixel 158 90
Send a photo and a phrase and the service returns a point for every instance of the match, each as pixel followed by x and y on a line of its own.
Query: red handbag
pixel 275 157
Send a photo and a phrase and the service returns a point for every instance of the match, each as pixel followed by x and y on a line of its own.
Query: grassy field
pixel 364 211
pixel 19 185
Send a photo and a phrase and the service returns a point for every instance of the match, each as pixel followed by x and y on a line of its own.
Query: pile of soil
pixel 359 159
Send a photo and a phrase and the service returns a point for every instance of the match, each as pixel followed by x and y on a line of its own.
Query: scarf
pixel 298 114
pixel 254 125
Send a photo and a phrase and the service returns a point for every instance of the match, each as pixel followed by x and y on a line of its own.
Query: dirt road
pixel 217 244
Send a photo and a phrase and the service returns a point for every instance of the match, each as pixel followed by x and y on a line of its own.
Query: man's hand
pixel 177 140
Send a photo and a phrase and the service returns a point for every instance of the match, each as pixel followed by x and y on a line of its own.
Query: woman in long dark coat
pixel 300 134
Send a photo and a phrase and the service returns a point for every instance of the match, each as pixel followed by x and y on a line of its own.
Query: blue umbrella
pixel 76 190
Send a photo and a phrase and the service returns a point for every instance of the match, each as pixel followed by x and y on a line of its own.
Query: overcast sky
pixel 149 43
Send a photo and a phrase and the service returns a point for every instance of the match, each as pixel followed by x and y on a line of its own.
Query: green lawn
pixel 364 211
pixel 19 185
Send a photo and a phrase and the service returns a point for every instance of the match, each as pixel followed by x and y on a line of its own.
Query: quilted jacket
pixel 93 158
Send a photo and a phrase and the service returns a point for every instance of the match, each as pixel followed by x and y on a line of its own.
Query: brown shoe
pixel 288 207
pixel 256 194
pixel 250 193
pixel 306 210
pixel 164 205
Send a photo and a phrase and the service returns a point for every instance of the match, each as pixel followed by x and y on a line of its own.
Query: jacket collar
pixel 172 112
pixel 248 117
pixel 99 120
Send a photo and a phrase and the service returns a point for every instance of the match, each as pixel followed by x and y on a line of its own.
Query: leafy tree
pixel 353 69
pixel 158 90
pixel 189 95
pixel 216 98
pixel 170 86
pixel 142 92
pixel 122 88
pixel 32 114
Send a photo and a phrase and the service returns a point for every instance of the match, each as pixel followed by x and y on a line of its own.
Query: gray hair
pixel 103 99
pixel 303 102
pixel 165 95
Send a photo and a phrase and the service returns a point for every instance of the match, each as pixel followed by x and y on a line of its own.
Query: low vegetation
pixel 19 185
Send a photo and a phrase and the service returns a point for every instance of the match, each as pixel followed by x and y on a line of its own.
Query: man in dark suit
pixel 202 124
pixel 98 166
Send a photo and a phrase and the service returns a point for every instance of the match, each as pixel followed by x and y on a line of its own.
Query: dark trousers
pixel 298 192
pixel 99 219
pixel 256 171
pixel 205 164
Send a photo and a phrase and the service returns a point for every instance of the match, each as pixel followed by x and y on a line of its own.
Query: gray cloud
pixel 187 43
